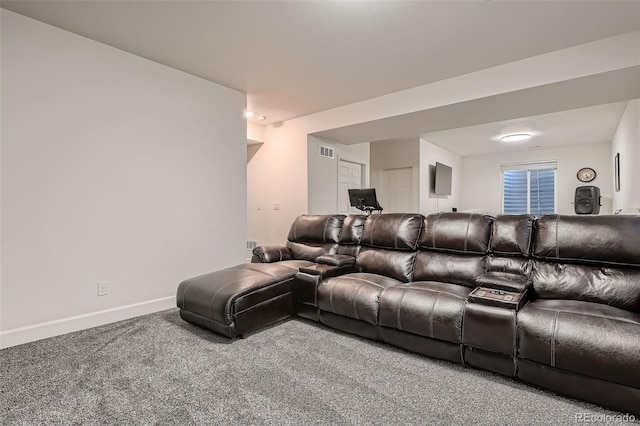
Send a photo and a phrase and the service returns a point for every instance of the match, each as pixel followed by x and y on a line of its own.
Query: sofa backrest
pixel 453 247
pixel 311 236
pixel 588 258
pixel 389 244
pixel 510 245
pixel 351 234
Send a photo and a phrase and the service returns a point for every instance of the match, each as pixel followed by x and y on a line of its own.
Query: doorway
pixel 396 190
pixel 350 176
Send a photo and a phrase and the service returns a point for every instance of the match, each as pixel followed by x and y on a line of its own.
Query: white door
pixel 349 177
pixel 396 192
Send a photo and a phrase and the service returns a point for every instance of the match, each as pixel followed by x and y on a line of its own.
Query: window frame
pixel 529 166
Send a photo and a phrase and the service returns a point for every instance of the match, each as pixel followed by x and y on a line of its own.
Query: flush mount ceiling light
pixel 515 137
pixel 248 114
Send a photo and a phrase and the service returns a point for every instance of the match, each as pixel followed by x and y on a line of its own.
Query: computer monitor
pixel 364 199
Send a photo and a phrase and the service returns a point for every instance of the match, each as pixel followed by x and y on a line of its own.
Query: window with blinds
pixel 529 188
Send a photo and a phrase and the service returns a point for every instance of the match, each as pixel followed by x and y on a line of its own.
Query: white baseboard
pixel 18 336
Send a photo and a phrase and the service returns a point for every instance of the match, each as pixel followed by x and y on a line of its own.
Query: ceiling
pixel 516 111
pixel 574 127
pixel 294 58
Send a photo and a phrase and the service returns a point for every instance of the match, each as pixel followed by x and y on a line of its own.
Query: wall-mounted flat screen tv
pixel 443 179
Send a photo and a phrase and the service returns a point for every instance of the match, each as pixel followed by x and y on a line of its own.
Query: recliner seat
pixel 582 329
pixel 425 315
pixel 350 302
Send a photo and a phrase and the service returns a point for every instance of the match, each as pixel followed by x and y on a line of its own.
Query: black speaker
pixel 587 200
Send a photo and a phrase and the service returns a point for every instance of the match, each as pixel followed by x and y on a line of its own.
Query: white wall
pixel 114 168
pixel 481 178
pixel 323 172
pixel 429 202
pixel 277 173
pixel 396 154
pixel 627 142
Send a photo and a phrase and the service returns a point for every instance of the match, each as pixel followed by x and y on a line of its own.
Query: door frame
pixel 362 177
pixel 382 193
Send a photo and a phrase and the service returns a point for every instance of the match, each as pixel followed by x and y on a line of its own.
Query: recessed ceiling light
pixel 262 117
pixel 248 114
pixel 515 137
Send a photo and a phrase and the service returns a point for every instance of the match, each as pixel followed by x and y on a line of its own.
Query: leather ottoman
pixel 237 300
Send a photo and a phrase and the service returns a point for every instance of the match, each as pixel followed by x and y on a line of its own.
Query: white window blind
pixel 529 188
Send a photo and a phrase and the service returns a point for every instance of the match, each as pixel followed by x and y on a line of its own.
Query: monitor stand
pixel 368 209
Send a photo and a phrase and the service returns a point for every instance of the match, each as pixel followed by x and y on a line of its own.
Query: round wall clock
pixel 586 174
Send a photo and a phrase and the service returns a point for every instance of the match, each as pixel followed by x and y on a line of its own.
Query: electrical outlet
pixel 103 288
pixel 276 206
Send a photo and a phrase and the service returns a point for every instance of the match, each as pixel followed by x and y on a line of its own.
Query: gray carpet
pixel 158 369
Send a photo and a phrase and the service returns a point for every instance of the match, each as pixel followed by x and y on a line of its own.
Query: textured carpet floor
pixel 158 369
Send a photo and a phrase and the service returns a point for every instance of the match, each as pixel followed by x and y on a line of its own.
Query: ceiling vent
pixel 326 152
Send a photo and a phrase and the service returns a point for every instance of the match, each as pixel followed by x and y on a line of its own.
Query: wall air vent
pixel 326 152
pixel 251 244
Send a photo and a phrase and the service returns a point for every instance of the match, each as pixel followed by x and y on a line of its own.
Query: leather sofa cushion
pixel 391 263
pixel 588 239
pixel 310 250
pixel 399 231
pixel 581 337
pixel 352 228
pixel 511 235
pixel 615 286
pixel 316 228
pixel 426 308
pixel 448 267
pixel 511 265
pixel 456 232
pixel 354 295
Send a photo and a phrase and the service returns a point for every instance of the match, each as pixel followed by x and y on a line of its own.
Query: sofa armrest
pixel 499 298
pixel 323 270
pixel 336 260
pixel 269 254
pixel 504 281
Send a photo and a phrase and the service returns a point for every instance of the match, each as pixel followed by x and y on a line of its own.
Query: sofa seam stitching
pixel 261 303
pixel 557 245
pixel 433 237
pixel 355 301
pixel 398 316
pixel 324 231
pixel 333 286
pixel 553 339
pixel 431 315
pixel 466 234
pixel 590 315
pixel 433 310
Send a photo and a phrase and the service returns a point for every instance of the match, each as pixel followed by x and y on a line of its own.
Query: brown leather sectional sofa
pixel 553 301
